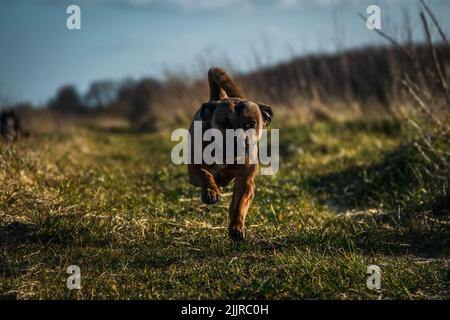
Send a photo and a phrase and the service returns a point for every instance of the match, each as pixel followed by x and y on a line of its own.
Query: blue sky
pixel 136 38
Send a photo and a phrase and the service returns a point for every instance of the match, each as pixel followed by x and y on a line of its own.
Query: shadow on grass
pixel 409 197
pixel 418 237
pixel 12 235
pixel 17 233
pixel 390 183
pixel 388 127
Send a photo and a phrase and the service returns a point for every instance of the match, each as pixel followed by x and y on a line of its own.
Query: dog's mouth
pixel 244 145
pixel 250 150
pixel 247 151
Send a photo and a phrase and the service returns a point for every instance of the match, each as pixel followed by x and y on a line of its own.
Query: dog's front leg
pixel 201 177
pixel 243 193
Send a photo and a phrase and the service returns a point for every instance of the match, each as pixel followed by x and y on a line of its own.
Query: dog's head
pixel 245 118
pixel 234 113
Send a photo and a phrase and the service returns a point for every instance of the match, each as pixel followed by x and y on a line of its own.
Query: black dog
pixel 9 126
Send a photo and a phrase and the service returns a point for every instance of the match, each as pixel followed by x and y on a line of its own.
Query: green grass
pixel 348 195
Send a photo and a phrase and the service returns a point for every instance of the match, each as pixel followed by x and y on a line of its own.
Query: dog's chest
pixel 217 168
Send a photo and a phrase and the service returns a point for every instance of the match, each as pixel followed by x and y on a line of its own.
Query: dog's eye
pixel 251 124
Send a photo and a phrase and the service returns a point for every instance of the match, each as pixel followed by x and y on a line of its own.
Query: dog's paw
pixel 236 233
pixel 210 196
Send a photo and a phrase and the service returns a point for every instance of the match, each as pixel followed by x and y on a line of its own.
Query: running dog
pixel 228 109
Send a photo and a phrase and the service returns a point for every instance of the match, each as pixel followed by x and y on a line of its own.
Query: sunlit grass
pixel 347 195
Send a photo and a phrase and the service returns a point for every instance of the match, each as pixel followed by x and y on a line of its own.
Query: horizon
pixel 42 55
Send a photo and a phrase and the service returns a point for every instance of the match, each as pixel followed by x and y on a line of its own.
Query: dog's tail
pixel 221 86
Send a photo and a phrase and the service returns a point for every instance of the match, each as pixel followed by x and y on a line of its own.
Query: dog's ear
pixel 266 112
pixel 207 110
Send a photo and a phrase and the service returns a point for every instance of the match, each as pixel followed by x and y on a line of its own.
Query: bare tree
pixel 143 99
pixel 67 100
pixel 101 94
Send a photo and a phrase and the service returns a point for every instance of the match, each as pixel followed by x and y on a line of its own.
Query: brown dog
pixel 228 109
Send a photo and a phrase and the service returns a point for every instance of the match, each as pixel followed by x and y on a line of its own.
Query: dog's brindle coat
pixel 228 109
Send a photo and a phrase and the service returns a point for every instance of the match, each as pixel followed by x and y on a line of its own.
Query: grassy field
pixel 348 195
